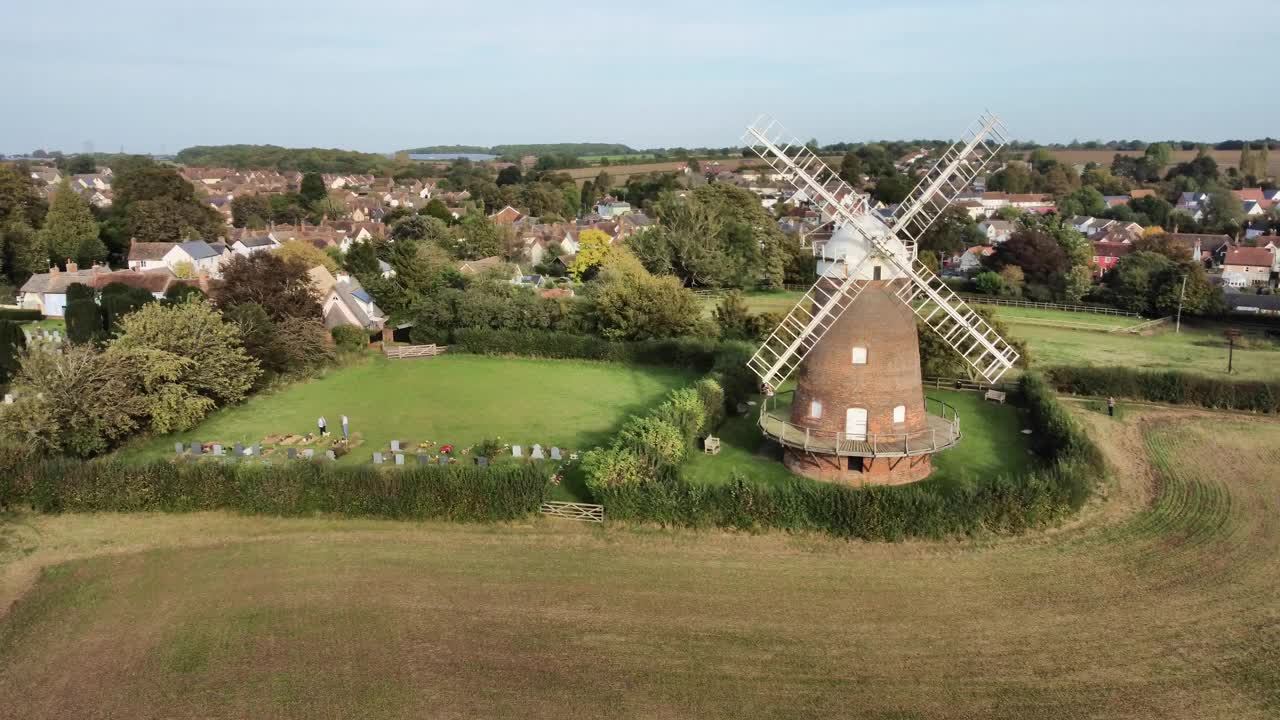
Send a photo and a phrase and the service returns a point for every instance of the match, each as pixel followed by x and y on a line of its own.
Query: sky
pixel 159 75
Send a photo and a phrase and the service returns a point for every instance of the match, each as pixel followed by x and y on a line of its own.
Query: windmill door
pixel 855 423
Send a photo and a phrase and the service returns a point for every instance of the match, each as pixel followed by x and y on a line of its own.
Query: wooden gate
pixel 584 512
pixel 413 351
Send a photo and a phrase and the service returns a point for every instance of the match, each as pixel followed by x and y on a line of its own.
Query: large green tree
pixel 69 228
pixel 312 189
pixel 24 251
pixel 18 197
pixel 283 289
pixel 627 303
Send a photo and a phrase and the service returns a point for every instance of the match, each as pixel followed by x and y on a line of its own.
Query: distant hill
pixel 575 149
pixel 330 160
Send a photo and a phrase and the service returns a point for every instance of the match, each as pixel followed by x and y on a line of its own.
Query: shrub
pixel 349 338
pixel 456 492
pixel 712 397
pixel 656 442
pixel 683 410
pixel 20 315
pixel 678 352
pixel 1170 386
pixel 84 320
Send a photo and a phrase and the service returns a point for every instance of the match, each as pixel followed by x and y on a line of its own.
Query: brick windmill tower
pixel 858 413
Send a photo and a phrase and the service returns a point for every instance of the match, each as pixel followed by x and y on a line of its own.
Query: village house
pixel 203 257
pixel 148 255
pixel 997 231
pixel 610 207
pixel 970 261
pixel 252 244
pixel 1107 254
pixel 344 301
pixel 47 292
pixel 1247 267
pixel 507 216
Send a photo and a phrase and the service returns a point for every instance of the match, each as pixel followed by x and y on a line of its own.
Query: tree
pixel 212 362
pixel 165 219
pixel 290 346
pixel 84 321
pixel 68 225
pixel 361 259
pixel 436 208
pixel 851 169
pixel 481 238
pixel 510 175
pixel 19 199
pixel 593 248
pixel 283 289
pixel 603 184
pixel 251 211
pixel 12 342
pixel 988 283
pixel 24 251
pixel 892 189
pixel 1225 209
pixel 306 254
pixel 1160 155
pixel 627 303
pixel 118 300
pixel 1012 278
pixel 312 189
pixel 1131 281
pixel 73 402
pixel 1085 201
pixel 953 231
pixel 1035 251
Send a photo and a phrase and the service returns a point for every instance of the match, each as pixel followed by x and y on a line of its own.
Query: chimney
pixel 342 277
pixel 53 269
pixel 72 267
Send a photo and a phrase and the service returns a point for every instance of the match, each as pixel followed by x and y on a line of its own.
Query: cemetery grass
pixel 992 445
pixel 1158 602
pixel 457 399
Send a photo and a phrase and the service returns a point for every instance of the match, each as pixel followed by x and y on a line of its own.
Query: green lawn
pixel 992 444
pixel 458 399
pixel 1062 318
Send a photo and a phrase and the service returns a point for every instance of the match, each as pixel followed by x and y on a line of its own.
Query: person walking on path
pixel 324 428
pixel 345 434
pixel 1111 406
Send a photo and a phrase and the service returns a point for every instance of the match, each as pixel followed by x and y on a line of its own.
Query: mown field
pixel 1224 158
pixel 455 399
pixel 1076 338
pixel 1159 603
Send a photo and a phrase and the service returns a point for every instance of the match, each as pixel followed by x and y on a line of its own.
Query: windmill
pixel 858 412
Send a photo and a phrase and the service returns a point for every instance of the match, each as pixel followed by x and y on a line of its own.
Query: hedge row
pixel 453 492
pixel 1167 387
pixel 20 315
pixel 999 504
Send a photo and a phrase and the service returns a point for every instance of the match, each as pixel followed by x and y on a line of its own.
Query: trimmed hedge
pixel 1170 386
pixel 998 504
pixel 20 315
pixel 453 492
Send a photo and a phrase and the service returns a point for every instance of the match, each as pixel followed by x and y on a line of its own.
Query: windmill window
pixel 875 272
pixel 815 409
pixel 900 414
pixel 859 356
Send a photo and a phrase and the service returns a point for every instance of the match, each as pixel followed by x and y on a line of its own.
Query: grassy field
pixel 458 399
pixel 1160 602
pixel 992 445
pixel 1076 338
pixel 1224 158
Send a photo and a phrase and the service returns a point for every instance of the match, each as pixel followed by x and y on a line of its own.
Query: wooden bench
pixel 711 445
pixel 995 395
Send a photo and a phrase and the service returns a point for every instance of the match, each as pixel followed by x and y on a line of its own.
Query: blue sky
pixel 153 76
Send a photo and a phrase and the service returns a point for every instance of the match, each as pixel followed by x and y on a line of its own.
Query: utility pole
pixel 1181 296
pixel 1231 347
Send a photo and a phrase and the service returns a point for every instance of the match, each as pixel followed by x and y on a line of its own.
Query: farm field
pixel 1224 158
pixel 457 399
pixel 992 445
pixel 1148 606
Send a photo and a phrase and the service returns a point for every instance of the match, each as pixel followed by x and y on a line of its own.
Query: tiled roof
pixel 149 250
pixel 1248 256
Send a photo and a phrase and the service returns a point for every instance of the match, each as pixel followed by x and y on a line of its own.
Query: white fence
pixel 413 351
pixel 584 512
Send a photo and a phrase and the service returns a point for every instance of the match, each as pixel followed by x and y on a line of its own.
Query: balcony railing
pixel 942 432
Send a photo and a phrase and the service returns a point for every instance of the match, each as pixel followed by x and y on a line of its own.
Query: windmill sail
pixel 936 304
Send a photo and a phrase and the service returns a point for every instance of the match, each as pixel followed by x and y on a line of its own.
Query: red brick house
pixel 1107 254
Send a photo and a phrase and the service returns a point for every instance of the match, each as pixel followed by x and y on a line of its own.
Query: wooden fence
pixel 583 512
pixel 1006 302
pixel 963 384
pixel 413 351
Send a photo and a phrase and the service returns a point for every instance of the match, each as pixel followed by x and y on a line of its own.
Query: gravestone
pixel 424 459
pixel 444 459
pixel 517 451
pixel 178 448
pixel 256 450
pixel 309 453
pixel 395 446
pixel 377 458
pixel 291 453
pixel 555 453
pixel 196 448
pixel 482 461
pixel 537 452
pixel 8 398
pixel 238 449
pixel 331 455
pixel 217 450
pixel 399 458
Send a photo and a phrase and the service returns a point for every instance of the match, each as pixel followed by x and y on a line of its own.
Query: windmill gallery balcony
pixel 943 431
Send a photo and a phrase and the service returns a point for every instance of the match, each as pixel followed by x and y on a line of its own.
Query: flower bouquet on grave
pixel 446 449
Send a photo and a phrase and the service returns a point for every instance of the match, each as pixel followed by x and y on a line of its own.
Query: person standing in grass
pixel 345 434
pixel 324 428
pixel 1111 406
